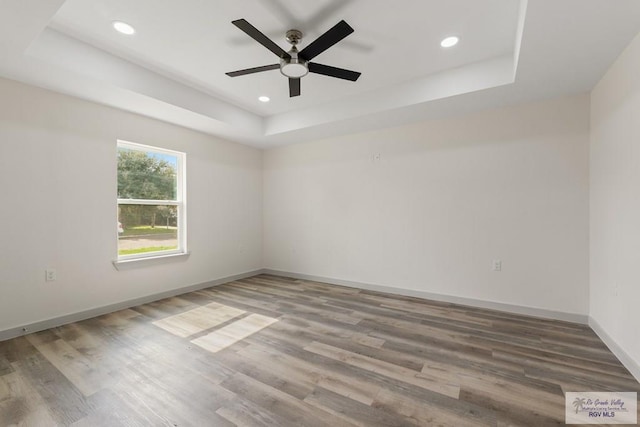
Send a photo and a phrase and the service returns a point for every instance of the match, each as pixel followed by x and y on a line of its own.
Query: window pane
pixel 146 175
pixel 146 229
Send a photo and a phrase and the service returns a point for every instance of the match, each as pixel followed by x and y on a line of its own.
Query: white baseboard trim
pixel 632 365
pixel 94 312
pixel 509 308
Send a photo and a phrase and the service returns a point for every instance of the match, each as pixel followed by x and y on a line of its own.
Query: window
pixel 151 201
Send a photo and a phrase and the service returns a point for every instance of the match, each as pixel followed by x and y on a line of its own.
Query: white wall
pixel 58 176
pixel 615 205
pixel 445 199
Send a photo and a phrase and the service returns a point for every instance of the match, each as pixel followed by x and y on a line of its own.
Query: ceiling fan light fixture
pixel 123 28
pixel 294 67
pixel 294 70
pixel 449 41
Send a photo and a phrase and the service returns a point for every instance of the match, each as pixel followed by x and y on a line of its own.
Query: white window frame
pixel 180 203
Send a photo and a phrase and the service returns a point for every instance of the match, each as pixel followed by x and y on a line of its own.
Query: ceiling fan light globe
pixel 294 70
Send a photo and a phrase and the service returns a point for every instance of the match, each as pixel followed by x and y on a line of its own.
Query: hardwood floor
pixel 272 351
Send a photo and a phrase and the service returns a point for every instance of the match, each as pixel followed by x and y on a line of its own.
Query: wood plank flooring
pixel 273 351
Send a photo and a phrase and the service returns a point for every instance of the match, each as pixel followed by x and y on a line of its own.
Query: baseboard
pixel 632 365
pixel 94 312
pixel 509 308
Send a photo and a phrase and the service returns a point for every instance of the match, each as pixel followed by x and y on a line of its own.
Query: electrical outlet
pixel 496 265
pixel 50 275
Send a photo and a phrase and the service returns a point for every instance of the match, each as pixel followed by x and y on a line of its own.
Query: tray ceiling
pixel 173 67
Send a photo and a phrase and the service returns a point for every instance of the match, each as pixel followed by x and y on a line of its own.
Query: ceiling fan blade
pixel 253 70
pixel 294 87
pixel 327 70
pixel 325 41
pixel 265 41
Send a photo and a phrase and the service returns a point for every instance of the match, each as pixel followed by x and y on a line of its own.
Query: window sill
pixel 128 264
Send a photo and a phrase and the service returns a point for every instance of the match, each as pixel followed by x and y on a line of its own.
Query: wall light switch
pixel 50 275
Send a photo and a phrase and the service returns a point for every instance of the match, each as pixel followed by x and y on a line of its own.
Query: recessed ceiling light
pixel 123 27
pixel 450 41
pixel 264 98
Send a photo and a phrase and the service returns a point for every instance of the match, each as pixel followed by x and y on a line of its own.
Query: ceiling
pixel 173 67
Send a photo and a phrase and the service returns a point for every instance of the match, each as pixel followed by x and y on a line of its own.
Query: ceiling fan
pixel 294 64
